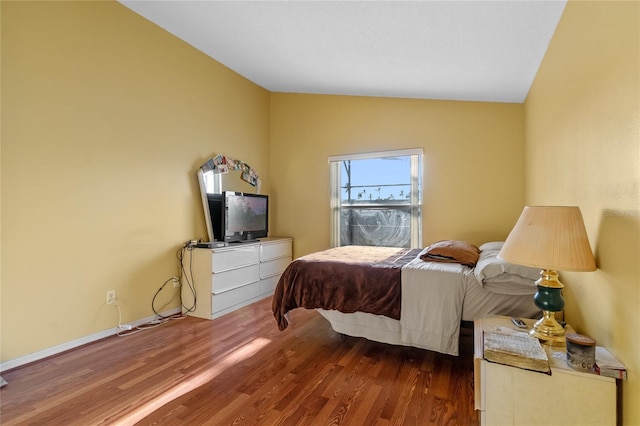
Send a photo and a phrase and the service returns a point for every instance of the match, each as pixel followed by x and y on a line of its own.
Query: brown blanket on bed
pixel 346 279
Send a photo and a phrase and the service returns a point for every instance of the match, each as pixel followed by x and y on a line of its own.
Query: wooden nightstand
pixel 507 395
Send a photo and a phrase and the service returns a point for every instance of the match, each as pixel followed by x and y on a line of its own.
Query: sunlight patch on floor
pixel 192 383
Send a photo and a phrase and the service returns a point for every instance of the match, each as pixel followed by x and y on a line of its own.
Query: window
pixel 376 199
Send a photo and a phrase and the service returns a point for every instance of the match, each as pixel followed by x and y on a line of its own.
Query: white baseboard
pixel 17 362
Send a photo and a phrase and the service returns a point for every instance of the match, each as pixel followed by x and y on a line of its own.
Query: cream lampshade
pixel 550 238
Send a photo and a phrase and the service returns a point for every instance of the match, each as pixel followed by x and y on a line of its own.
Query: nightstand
pixel 507 395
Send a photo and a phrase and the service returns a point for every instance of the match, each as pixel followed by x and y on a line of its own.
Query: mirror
pixel 222 173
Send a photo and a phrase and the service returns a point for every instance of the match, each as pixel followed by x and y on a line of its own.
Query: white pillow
pixel 493 245
pixel 511 279
pixel 511 288
pixel 490 267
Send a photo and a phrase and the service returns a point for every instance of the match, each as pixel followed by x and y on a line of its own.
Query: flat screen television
pixel 239 216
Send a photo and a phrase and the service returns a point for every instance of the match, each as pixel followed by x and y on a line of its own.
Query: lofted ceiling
pixel 474 50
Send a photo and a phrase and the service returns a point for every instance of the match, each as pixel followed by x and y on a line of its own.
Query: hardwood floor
pixel 239 369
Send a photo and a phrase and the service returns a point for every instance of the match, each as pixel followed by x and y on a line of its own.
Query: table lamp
pixel 551 238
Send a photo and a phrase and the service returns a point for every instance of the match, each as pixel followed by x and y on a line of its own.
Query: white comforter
pixel 432 297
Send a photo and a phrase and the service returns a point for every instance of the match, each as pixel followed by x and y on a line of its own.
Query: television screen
pixel 239 216
pixel 246 213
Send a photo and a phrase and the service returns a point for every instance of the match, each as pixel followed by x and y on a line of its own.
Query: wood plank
pixel 239 369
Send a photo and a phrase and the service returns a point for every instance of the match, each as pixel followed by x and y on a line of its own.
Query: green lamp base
pixel 549 299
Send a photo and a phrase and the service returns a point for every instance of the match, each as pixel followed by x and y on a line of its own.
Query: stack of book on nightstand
pixel 608 365
pixel 517 349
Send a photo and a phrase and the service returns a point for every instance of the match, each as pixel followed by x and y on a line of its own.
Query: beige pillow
pixel 451 251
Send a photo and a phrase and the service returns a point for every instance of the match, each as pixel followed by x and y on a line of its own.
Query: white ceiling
pixel 457 50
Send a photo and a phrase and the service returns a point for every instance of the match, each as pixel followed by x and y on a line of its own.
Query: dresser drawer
pixel 275 250
pixel 227 258
pixel 233 297
pixel 233 278
pixel 268 285
pixel 274 267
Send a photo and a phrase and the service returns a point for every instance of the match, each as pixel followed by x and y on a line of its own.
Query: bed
pixel 411 297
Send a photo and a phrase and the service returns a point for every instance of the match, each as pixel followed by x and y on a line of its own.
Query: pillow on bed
pixel 511 288
pixel 491 268
pixel 451 251
pixel 491 246
pixel 507 278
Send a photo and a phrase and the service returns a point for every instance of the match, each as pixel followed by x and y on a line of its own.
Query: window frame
pixel 416 160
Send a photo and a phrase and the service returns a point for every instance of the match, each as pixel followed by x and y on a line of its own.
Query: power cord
pixel 149 325
pixel 174 280
pixel 185 277
pixel 120 326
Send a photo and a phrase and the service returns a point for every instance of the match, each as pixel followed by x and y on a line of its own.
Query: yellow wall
pixel 583 148
pixel 473 169
pixel 105 119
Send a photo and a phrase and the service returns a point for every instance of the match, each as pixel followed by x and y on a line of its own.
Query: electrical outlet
pixel 176 282
pixel 111 297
